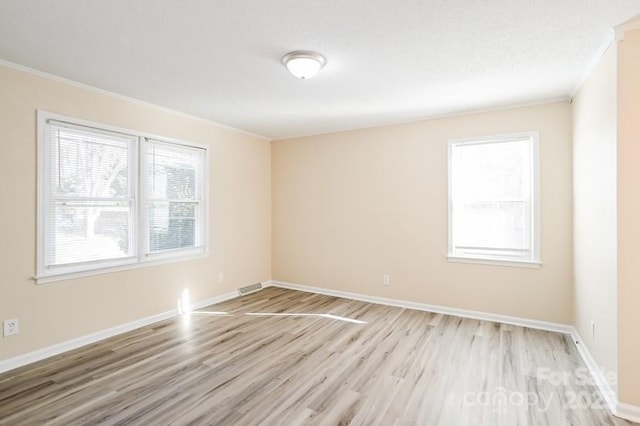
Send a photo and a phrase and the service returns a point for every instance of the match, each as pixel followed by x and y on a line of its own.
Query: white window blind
pixel 173 192
pixel 90 208
pixel 90 214
pixel 493 200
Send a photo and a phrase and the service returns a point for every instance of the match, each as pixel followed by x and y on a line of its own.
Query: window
pixel 173 188
pixel 113 198
pixel 493 201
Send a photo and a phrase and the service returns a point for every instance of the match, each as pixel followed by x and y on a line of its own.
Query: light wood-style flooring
pixel 282 357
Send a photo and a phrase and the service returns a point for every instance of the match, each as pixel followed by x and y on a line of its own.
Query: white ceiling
pixel 387 61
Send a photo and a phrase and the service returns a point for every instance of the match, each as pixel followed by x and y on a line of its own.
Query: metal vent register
pixel 250 289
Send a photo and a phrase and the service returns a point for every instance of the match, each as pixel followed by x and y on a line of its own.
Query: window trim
pixel 534 262
pixel 140 258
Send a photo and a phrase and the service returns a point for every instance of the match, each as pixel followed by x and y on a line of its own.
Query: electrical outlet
pixel 10 327
pixel 386 280
pixel 220 277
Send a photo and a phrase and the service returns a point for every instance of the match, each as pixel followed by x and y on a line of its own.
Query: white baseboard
pixel 601 381
pixel 628 412
pixel 622 410
pixel 217 299
pixel 523 322
pixel 40 354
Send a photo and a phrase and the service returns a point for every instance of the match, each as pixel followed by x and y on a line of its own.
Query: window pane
pixel 498 225
pixel 89 164
pixel 173 190
pixel 172 172
pixel 172 225
pixel 493 171
pixel 88 231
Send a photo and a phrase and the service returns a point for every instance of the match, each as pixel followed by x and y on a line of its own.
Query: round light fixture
pixel 303 63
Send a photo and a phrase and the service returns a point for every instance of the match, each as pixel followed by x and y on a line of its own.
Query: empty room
pixel 420 212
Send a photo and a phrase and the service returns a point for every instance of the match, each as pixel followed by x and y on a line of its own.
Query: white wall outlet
pixel 220 277
pixel 593 329
pixel 386 280
pixel 10 327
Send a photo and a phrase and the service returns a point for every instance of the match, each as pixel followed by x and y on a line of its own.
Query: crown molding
pixel 104 92
pixel 619 31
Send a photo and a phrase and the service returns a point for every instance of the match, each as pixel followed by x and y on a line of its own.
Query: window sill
pixel 496 262
pixel 44 279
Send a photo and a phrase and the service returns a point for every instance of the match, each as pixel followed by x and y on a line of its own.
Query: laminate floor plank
pixel 283 357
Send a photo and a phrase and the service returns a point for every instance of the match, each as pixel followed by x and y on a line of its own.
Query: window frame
pixel 534 260
pixel 141 256
pixel 144 234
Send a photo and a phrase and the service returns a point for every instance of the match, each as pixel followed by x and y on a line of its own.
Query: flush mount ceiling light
pixel 303 63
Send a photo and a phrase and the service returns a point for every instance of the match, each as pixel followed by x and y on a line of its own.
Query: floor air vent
pixel 250 289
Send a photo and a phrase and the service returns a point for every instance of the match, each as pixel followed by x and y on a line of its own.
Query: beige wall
pixel 629 217
pixel 351 206
pixel 240 221
pixel 595 210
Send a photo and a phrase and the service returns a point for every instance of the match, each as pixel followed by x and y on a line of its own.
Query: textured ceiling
pixel 387 61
